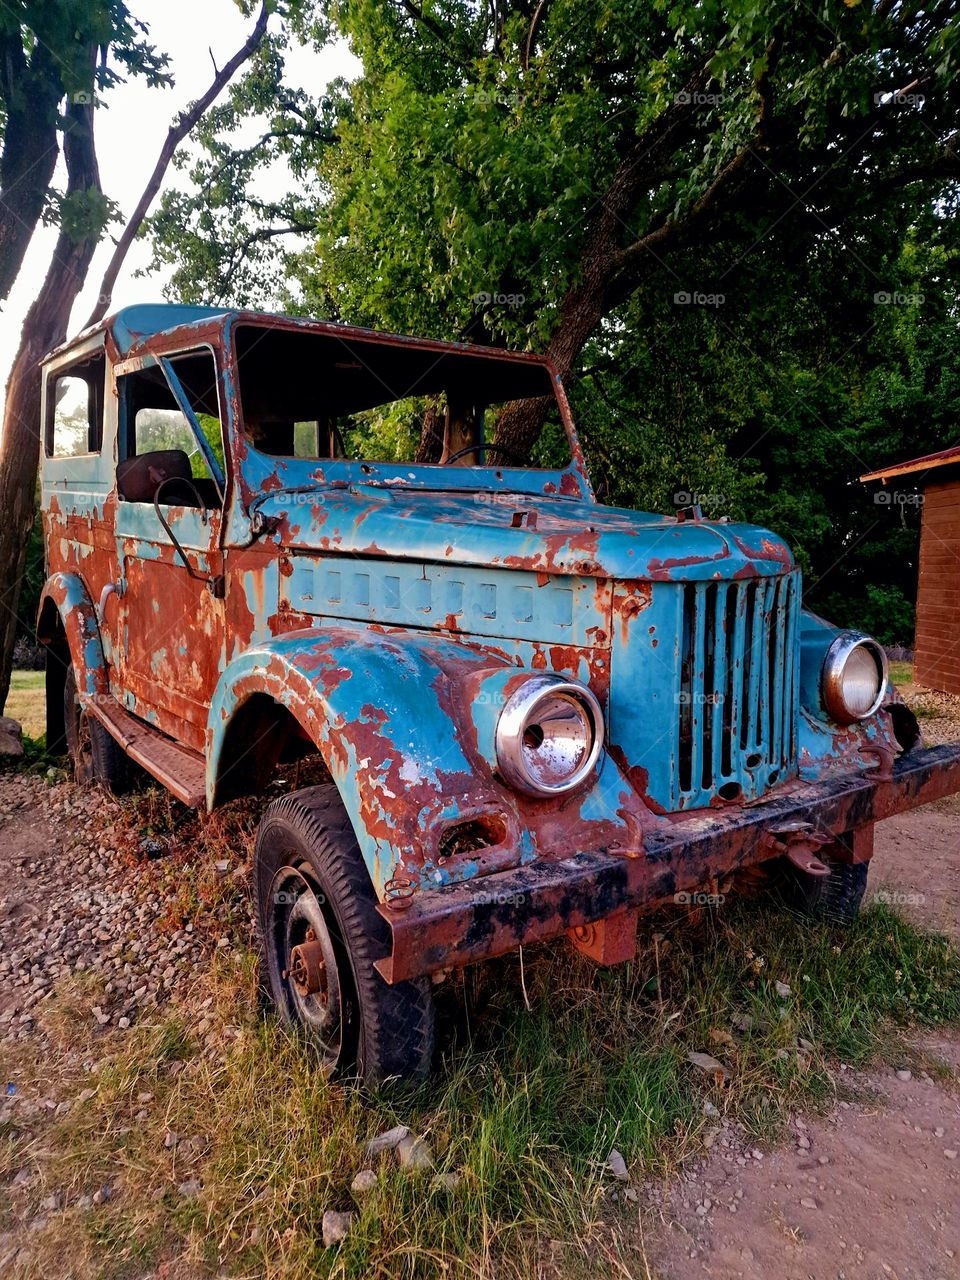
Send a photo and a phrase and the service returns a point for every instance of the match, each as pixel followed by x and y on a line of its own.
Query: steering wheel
pixel 483 448
pixel 201 502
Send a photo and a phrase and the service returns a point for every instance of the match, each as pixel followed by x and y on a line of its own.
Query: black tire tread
pixel 834 898
pixel 112 767
pixel 396 1022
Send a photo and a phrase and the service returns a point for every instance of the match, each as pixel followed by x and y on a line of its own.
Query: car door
pixel 170 486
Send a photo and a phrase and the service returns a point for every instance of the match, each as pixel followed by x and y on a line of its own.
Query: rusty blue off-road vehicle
pixel 534 715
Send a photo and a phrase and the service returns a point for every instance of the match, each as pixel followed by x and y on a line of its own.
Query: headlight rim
pixel 514 718
pixel 831 678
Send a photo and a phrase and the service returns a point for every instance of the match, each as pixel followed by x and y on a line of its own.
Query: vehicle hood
pixel 547 535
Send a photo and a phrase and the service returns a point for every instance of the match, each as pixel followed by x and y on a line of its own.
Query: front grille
pixel 738 688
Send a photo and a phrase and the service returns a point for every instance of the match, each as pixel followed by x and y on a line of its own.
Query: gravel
pixel 74 902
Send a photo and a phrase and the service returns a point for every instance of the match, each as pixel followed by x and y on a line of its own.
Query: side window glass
pixel 167 429
pixel 158 440
pixel 74 424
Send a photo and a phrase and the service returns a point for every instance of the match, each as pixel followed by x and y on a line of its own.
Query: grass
pixel 26 702
pixel 901 672
pixel 525 1107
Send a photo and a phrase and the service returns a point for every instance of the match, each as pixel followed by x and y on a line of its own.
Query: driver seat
pixel 139 477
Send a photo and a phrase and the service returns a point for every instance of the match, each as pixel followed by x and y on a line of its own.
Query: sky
pixel 131 125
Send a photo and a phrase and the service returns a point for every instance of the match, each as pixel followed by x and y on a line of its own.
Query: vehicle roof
pixel 132 326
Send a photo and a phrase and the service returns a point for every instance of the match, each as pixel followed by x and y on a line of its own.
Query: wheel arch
pixel 381 712
pixel 67 619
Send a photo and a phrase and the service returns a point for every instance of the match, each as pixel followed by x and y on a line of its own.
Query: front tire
pixel 320 933
pixel 835 898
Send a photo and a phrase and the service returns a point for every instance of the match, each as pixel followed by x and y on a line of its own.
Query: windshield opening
pixel 327 396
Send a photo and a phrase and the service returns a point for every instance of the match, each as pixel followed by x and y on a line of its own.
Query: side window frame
pixel 166 363
pixel 96 405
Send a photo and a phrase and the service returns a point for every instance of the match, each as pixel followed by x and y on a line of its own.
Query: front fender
pixel 386 714
pixel 66 597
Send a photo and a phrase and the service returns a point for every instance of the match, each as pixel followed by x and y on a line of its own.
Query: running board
pixel 181 771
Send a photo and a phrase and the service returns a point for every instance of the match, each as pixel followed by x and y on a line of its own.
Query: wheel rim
pixel 303 964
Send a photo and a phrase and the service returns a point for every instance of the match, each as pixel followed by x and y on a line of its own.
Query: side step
pixel 181 771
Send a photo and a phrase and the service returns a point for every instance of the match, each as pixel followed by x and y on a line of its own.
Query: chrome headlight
pixel 854 678
pixel 549 735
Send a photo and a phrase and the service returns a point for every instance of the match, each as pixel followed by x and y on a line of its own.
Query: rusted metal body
pixel 267 603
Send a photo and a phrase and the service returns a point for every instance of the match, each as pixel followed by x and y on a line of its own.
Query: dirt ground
pixel 870 1190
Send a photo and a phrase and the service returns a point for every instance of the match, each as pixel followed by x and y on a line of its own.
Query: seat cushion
pixel 138 478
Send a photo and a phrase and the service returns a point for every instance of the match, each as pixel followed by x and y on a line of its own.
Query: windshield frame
pixel 262 473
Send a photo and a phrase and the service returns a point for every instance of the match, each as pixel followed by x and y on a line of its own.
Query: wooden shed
pixel 936 658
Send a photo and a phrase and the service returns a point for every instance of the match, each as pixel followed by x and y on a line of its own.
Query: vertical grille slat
pixel 737 694
pixel 719 683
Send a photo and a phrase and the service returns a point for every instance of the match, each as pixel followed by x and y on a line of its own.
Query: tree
pixel 54 52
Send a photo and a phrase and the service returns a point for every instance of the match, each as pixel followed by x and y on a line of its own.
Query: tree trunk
pixel 45 327
pixel 30 148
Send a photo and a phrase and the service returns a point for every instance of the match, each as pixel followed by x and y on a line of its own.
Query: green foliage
pixel 556 176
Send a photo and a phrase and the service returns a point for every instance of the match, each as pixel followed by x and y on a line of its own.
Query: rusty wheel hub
pixel 307 969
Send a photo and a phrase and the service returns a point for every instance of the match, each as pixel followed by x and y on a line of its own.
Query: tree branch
pixel 179 130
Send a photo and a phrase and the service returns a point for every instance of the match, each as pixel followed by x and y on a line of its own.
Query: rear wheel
pixel 320 933
pixel 94 752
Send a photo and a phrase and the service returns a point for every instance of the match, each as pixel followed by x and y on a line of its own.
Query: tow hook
pixel 798 842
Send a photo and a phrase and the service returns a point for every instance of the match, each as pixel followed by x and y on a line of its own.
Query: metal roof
pixel 928 462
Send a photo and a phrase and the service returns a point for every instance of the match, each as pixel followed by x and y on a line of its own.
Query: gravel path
pixel 81 894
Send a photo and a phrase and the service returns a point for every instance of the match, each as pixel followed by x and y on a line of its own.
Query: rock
pixel 707 1063
pixel 782 989
pixel 103 1194
pixel 365 1181
pixel 335 1227
pixel 742 1021
pixel 950 1153
pixel 11 734
pixel 450 1181
pixel 617 1166
pixel 709 1109
pixel 386 1141
pixel 806 1045
pixel 803 1142
pixel 904 1075
pixel 808 1203
pixel 170 1139
pixel 414 1154
pixel 192 1188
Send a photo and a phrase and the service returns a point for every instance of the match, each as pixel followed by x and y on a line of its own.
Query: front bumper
pixel 489 915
